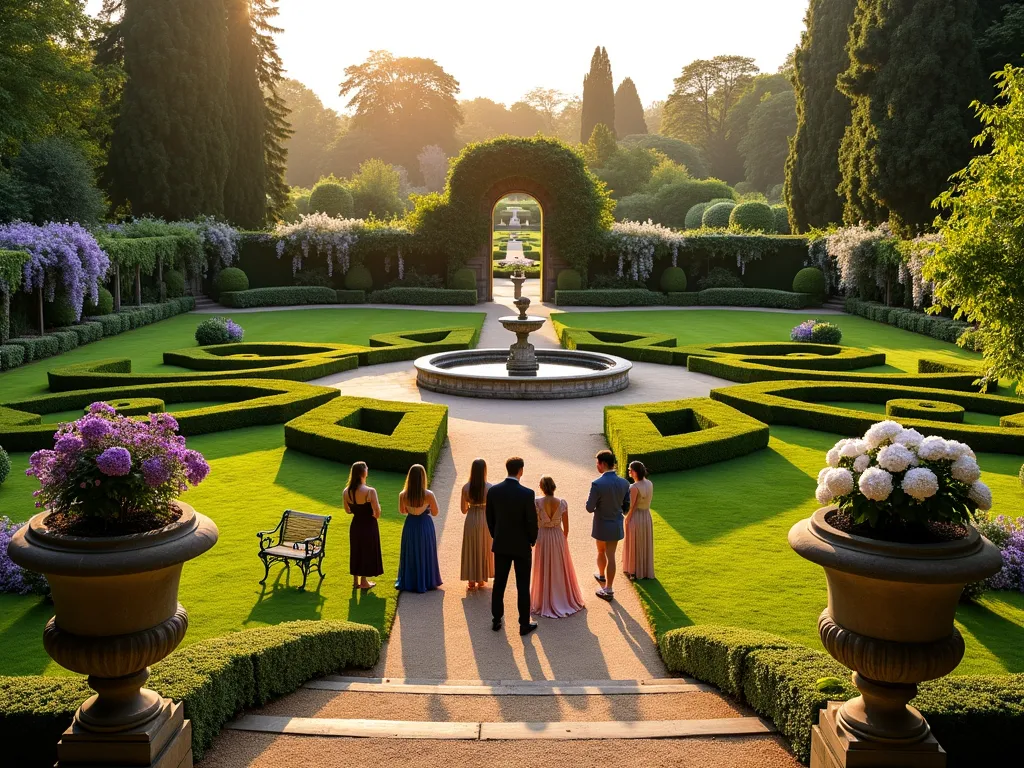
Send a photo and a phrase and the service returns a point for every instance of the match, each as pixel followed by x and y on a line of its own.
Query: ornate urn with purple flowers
pixel 111 540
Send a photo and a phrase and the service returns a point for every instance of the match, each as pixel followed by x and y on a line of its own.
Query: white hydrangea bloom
pixel 832 457
pixel 852 450
pixel 981 495
pixel 932 448
pixel 822 474
pixel 966 470
pixel 881 432
pixel 822 495
pixel 839 482
pixel 875 484
pixel 955 449
pixel 909 437
pixel 895 457
pixel 862 463
pixel 920 483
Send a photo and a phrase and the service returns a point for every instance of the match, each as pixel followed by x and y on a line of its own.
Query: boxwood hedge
pixel 245 403
pixel 408 345
pixel 754 297
pixel 215 679
pixel 929 410
pixel 386 435
pixel 424 296
pixel 610 297
pixel 942 328
pixel 975 719
pixel 802 404
pixel 681 434
pixel 641 347
pixel 284 296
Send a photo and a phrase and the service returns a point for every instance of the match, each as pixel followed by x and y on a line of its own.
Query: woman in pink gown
pixel 554 592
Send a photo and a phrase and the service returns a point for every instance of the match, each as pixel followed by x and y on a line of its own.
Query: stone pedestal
pixel 833 746
pixel 163 742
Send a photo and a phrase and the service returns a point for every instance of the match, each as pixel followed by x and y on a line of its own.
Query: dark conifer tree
pixel 598 95
pixel 629 111
pixel 914 71
pixel 823 113
pixel 276 128
pixel 245 192
pixel 170 151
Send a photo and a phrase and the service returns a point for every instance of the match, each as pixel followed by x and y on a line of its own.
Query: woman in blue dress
pixel 417 565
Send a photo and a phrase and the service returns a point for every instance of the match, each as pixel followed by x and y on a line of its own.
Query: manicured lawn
pixel 253 479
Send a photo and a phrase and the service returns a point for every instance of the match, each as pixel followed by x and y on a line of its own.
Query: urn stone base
pixel 833 746
pixel 163 742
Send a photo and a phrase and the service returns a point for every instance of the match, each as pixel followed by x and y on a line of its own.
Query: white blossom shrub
pixel 636 243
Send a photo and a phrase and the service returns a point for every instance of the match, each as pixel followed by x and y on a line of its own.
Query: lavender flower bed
pixel 15 580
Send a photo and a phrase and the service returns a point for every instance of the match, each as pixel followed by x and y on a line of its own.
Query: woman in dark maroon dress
pixel 364 535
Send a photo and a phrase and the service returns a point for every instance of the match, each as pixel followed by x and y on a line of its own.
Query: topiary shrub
pixel 674 201
pixel 569 280
pixel 810 280
pixel 358 278
pixel 5 465
pixel 330 196
pixel 104 305
pixel 230 279
pixel 781 214
pixel 464 280
pixel 719 278
pixel 826 333
pixel 717 216
pixel 218 330
pixel 673 280
pixel 695 216
pixel 752 217
pixel 174 281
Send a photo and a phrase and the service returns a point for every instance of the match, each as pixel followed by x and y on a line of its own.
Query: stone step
pixel 508 687
pixel 511 731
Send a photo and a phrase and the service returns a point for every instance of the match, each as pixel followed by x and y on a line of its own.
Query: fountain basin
pixel 562 374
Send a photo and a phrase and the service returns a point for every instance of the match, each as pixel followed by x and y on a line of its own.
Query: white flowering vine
pixel 636 243
pixel 321 234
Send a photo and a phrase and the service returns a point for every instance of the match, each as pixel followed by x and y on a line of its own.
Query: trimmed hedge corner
pixel 681 434
pixel 215 679
pixel 437 297
pixel 386 435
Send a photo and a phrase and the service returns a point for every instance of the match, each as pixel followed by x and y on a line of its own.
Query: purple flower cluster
pixel 235 332
pixel 15 580
pixel 219 238
pixel 1007 534
pixel 112 467
pixel 60 253
pixel 803 331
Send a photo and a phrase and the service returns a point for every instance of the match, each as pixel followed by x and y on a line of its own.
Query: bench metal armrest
pixel 306 543
pixel 265 537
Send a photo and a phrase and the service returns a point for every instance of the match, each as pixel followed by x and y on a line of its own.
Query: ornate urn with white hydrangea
pixel 895 540
pixel 896 478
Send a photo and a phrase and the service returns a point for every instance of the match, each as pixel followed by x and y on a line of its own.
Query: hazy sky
pixel 503 49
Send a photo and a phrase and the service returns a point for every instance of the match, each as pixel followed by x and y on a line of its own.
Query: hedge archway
pixel 577 208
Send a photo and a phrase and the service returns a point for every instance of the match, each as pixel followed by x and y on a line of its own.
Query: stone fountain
pixel 522 357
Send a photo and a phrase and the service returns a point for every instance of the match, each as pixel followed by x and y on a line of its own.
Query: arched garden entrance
pixel 517 242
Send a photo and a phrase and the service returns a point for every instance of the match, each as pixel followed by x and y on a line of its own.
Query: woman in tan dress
pixel 638 548
pixel 477 558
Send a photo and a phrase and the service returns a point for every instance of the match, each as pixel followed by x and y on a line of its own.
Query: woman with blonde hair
pixel 360 500
pixel 554 591
pixel 638 548
pixel 417 564
pixel 477 558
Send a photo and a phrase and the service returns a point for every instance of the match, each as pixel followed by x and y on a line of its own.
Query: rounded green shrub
pixel 5 465
pixel 809 280
pixel 230 279
pixel 752 217
pixel 673 280
pixel 781 214
pixel 464 279
pixel 717 216
pixel 826 333
pixel 569 280
pixel 333 198
pixel 104 306
pixel 358 278
pixel 174 280
pixel 218 330
pixel 695 215
pixel 59 313
pixel 638 207
pixel 673 202
pixel 719 277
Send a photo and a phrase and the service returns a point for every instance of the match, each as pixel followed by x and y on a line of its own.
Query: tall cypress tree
pixel 277 128
pixel 598 95
pixel 170 151
pixel 914 71
pixel 245 192
pixel 823 113
pixel 629 111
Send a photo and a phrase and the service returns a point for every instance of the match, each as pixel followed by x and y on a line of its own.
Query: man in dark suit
pixel 512 521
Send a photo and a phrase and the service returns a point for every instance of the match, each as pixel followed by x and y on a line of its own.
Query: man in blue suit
pixel 608 503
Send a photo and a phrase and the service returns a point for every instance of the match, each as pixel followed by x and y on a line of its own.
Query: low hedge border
pixel 11 356
pixel 767 298
pixel 641 347
pixel 975 719
pixel 800 404
pixel 424 296
pixel 610 297
pixel 926 365
pixel 942 328
pixel 247 403
pixel 350 296
pixel 386 435
pixel 929 410
pixel 408 345
pixel 283 296
pixel 681 434
pixel 215 679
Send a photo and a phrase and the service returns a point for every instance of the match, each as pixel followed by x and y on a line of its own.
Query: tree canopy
pixel 598 95
pixel 629 111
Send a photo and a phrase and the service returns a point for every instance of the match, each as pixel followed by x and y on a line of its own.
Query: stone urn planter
pixel 889 618
pixel 117 612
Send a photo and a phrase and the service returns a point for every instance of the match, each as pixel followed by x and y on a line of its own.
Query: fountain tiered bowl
pixel 523 372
